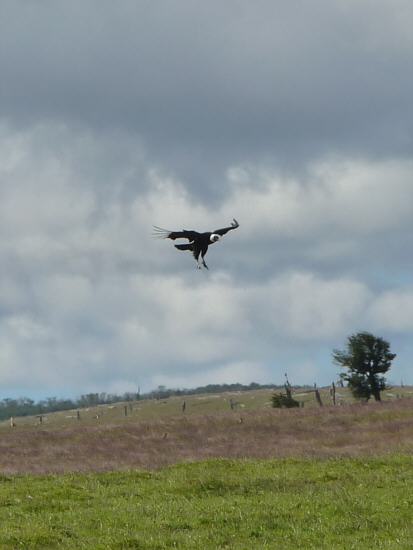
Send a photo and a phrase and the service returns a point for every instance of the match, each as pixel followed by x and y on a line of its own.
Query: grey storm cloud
pixel 217 82
pixel 293 117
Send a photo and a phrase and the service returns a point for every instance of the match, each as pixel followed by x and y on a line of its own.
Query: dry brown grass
pixel 350 430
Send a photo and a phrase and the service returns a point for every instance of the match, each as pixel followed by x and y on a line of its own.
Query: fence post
pixel 317 395
pixel 333 393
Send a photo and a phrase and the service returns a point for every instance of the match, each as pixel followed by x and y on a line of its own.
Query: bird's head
pixel 214 237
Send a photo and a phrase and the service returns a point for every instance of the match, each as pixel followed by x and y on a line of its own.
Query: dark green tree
pixel 367 358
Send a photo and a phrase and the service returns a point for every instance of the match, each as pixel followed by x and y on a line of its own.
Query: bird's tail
pixel 160 232
pixel 184 246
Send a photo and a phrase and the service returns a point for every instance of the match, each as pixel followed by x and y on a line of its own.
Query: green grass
pixel 346 503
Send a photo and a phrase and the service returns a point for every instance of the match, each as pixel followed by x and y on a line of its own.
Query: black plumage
pixel 198 242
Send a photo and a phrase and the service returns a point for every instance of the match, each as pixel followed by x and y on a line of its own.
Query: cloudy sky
pixel 294 117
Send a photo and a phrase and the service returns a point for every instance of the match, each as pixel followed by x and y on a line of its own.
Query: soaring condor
pixel 198 242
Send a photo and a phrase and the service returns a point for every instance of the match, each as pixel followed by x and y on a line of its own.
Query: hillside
pixel 157 433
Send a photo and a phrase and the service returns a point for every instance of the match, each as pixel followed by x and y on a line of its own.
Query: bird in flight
pixel 198 242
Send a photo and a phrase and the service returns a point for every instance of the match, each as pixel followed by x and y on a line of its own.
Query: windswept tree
pixel 367 358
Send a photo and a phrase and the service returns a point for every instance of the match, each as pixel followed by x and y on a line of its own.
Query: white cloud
pixel 292 118
pixel 393 311
pixel 339 195
pixel 89 300
pixel 302 306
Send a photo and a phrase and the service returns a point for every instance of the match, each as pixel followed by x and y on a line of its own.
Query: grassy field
pixel 291 503
pixel 116 442
pixel 333 477
pixel 207 404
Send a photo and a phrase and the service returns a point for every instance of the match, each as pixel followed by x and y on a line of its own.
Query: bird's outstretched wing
pixel 166 234
pixel 234 225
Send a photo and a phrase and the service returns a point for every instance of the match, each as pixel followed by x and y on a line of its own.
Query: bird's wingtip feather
pixel 160 232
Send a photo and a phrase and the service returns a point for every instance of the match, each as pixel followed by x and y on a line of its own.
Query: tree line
pixel 24 406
